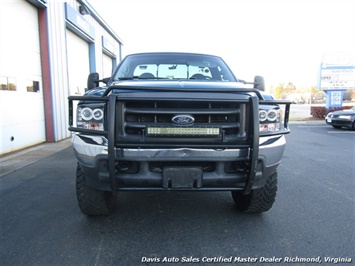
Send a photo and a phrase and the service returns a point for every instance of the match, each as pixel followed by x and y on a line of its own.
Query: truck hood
pixel 126 86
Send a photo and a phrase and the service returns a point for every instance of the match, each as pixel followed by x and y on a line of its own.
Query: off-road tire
pixel 92 202
pixel 259 200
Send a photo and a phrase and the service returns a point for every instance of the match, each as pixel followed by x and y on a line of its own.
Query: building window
pixel 34 87
pixel 7 84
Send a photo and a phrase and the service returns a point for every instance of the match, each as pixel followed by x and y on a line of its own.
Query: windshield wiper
pixel 138 77
pixel 128 78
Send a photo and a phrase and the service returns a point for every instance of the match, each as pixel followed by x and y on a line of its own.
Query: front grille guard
pixel 253 132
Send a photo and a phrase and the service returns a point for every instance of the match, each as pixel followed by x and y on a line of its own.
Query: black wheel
pixel 92 202
pixel 353 127
pixel 337 127
pixel 259 200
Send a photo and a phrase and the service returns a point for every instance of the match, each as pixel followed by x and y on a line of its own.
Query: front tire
pixel 259 200
pixel 92 202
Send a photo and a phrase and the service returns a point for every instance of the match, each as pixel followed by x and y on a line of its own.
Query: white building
pixel 47 50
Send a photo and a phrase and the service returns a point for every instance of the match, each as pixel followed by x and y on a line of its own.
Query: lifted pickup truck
pixel 176 121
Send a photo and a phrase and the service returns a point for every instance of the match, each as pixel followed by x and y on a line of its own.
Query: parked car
pixel 344 118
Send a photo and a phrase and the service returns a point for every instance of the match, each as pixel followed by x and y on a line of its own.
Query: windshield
pixel 173 66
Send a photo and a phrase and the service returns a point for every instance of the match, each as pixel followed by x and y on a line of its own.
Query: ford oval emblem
pixel 183 119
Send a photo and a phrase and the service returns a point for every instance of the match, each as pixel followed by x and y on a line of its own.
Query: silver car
pixel 344 118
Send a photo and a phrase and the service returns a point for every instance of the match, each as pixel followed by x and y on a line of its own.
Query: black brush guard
pixel 252 142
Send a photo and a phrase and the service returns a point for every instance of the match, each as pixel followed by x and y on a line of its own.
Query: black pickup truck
pixel 176 121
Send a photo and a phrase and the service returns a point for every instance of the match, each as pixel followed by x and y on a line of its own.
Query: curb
pixel 310 121
pixel 13 161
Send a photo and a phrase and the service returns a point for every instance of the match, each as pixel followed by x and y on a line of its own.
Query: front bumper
pixel 339 122
pixel 156 169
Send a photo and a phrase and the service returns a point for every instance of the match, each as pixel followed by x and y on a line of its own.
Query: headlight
pixel 269 120
pixel 90 117
pixel 97 114
pixel 262 115
pixel 85 113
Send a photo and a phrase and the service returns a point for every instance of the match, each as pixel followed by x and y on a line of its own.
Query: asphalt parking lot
pixel 312 218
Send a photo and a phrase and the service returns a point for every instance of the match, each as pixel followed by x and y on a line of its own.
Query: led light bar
pixel 183 131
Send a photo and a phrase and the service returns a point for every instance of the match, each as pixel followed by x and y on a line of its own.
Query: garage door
pixel 78 63
pixel 107 63
pixel 21 93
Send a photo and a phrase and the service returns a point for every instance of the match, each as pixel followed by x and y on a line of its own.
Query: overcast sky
pixel 282 40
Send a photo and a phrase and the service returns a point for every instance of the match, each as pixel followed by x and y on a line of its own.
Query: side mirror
pixel 93 80
pixel 259 83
